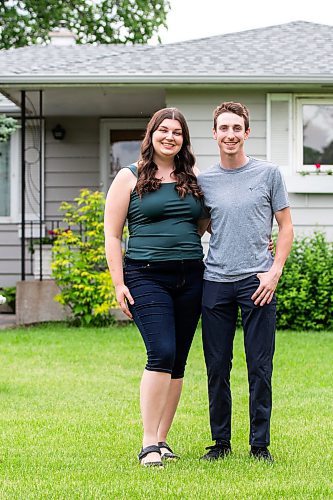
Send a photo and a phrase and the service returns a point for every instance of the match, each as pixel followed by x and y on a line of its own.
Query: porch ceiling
pixel 93 101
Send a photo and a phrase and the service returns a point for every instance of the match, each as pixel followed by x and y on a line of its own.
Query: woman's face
pixel 167 139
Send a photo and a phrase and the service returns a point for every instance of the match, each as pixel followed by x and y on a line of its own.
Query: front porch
pixel 102 130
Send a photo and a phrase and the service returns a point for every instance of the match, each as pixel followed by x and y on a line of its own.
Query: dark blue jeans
pixel 219 317
pixel 167 306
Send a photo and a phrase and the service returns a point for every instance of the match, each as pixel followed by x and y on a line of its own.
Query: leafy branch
pixel 28 22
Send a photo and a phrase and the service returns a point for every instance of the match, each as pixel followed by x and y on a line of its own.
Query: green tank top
pixel 163 226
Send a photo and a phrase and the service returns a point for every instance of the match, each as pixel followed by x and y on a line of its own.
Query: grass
pixel 70 423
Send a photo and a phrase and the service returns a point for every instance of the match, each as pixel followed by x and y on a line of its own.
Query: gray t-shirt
pixel 241 204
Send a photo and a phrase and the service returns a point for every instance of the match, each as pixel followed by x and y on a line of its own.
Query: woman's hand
pixel 123 297
pixel 271 246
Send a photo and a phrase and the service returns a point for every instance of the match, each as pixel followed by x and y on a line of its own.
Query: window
pixel 10 176
pixel 317 134
pixel 5 180
pixel 300 138
pixel 124 149
pixel 314 133
pixel 9 179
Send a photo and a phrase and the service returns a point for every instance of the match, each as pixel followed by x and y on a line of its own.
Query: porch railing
pixel 36 235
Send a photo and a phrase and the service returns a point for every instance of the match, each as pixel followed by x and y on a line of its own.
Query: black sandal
pixel 167 456
pixel 145 451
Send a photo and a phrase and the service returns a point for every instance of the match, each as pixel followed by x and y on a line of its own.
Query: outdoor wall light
pixel 59 132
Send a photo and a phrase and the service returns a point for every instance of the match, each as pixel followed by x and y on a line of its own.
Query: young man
pixel 242 195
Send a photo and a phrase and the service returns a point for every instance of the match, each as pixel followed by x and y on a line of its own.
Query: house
pixel 83 110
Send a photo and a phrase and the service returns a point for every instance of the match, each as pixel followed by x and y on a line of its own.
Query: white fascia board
pixel 7 105
pixel 162 79
pixel 10 109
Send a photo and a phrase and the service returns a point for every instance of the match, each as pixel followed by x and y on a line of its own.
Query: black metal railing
pixel 37 234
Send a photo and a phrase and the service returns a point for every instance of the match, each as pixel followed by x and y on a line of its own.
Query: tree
pixel 27 22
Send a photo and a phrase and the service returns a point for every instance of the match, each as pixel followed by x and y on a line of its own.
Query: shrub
pixel 8 126
pixel 305 290
pixel 79 265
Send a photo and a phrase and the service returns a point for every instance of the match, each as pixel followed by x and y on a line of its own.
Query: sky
pixel 190 19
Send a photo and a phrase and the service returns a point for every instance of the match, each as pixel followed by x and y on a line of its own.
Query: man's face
pixel 230 133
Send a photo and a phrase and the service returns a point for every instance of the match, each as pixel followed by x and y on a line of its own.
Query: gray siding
pixel 10 255
pixel 312 212
pixel 71 164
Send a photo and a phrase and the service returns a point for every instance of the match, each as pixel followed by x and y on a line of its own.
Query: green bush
pixel 79 265
pixel 305 290
pixel 8 126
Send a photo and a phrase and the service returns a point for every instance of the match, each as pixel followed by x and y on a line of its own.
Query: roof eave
pixel 62 80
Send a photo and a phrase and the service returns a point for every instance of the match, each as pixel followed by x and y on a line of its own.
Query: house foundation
pixel 35 302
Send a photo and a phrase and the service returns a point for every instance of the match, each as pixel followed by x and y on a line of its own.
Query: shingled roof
pixel 293 52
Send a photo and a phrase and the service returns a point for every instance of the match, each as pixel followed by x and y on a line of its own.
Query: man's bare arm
pixel 269 280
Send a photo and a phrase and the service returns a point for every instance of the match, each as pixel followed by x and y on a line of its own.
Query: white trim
pixel 313 183
pixel 107 124
pixel 268 127
pixel 14 149
pixel 159 78
pixel 15 179
pixel 282 97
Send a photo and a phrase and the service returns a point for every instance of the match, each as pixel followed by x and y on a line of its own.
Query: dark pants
pixel 167 306
pixel 219 317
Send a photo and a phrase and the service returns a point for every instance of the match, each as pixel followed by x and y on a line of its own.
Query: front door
pixel 120 146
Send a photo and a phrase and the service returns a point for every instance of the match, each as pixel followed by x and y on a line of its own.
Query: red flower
pixel 55 232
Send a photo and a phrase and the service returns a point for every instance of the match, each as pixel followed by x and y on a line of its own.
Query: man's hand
pixel 265 291
pixel 123 296
pixel 268 281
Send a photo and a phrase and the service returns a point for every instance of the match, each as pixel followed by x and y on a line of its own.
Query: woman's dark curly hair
pixel 186 181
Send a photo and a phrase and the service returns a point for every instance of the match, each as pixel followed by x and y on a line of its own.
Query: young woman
pixel 160 284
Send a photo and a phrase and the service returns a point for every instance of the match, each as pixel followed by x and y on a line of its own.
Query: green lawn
pixel 70 423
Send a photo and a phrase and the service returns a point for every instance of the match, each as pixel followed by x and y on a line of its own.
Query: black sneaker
pixel 261 453
pixel 219 450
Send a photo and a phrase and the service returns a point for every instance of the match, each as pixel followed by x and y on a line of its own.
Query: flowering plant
pixel 53 234
pixel 317 170
pixel 79 266
pixel 50 236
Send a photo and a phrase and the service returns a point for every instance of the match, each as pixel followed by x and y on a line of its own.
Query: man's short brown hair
pixel 232 107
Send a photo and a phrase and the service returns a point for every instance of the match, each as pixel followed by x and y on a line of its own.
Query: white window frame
pixel 283 97
pixel 14 149
pixel 15 180
pixel 106 126
pixel 300 100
